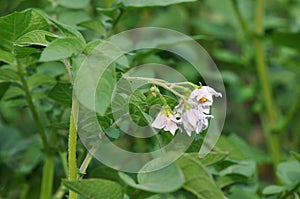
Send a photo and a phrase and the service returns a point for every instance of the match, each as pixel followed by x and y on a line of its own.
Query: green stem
pixel 194 86
pixel 271 139
pixel 115 22
pixel 240 18
pixel 64 162
pixel 158 82
pixel 33 111
pixel 24 193
pixel 86 162
pixel 47 181
pixel 72 145
pixel 61 191
pixel 48 170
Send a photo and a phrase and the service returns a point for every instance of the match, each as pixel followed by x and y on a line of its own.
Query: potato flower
pixel 192 112
pixel 167 121
pixel 203 97
pixel 194 120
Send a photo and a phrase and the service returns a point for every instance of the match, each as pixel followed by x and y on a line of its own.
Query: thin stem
pixel 63 158
pixel 48 170
pixel 186 83
pixel 239 17
pixel 33 111
pixel 69 69
pixel 61 191
pixel 86 162
pixel 157 82
pixel 47 181
pixel 164 101
pixel 272 139
pixel 72 145
pixel 115 22
pixel 184 89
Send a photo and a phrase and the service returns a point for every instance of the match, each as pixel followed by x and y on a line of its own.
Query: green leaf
pixel 94 25
pixel 95 188
pixel 73 17
pixel 105 89
pixel 170 175
pixel 75 4
pixel 113 132
pixel 245 168
pixel 67 30
pixel 138 116
pixel 238 193
pixel 228 56
pixel 138 113
pixel 61 48
pixel 59 125
pixel 181 194
pixel 289 172
pixel 7 57
pixel 105 173
pixel 18 24
pixel 3 88
pixel 227 180
pixel 273 189
pixel 164 180
pixel 198 180
pixel 287 39
pixel 211 158
pixel 13 92
pixel 151 3
pixel 91 45
pixel 62 92
pixel 296 155
pixel 239 150
pixel 51 69
pixel 111 12
pixel 39 79
pixel 36 37
pixel 16 103
pixel 8 75
pixel 23 154
pixel 24 52
pixel 31 158
pixel 27 60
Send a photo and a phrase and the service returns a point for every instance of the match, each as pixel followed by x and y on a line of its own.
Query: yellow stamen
pixel 203 99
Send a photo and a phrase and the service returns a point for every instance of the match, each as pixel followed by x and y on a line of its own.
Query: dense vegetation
pixel 44 44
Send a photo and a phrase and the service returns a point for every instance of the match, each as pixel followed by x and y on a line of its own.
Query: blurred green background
pixel 216 26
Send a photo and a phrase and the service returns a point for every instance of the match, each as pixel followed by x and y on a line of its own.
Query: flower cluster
pixel 192 114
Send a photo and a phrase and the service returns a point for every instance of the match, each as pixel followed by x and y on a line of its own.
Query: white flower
pixel 193 113
pixel 179 108
pixel 203 97
pixel 195 120
pixel 168 122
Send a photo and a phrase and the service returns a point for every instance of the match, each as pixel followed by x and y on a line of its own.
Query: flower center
pixel 203 99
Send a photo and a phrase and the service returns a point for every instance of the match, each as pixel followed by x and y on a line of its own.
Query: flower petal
pixel 187 126
pixel 171 126
pixel 192 117
pixel 160 121
pixel 213 91
pixel 205 109
pixel 189 133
